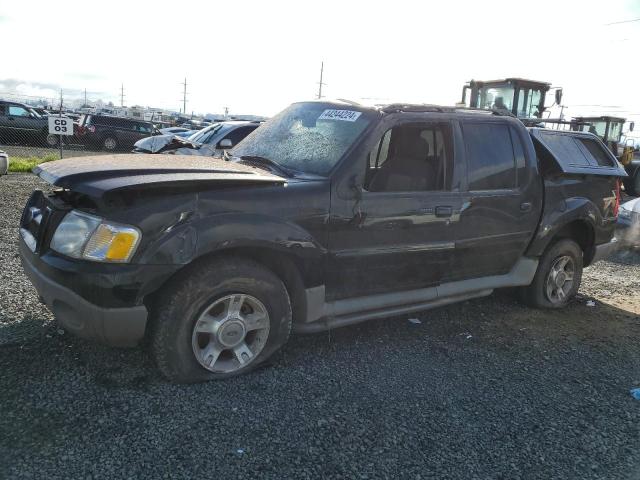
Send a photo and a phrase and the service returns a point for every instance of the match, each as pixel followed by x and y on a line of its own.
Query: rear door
pixel 503 199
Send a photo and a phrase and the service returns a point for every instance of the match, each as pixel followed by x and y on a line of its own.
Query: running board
pixel 323 315
pixel 327 323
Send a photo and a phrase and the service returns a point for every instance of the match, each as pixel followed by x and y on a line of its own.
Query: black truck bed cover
pixel 578 152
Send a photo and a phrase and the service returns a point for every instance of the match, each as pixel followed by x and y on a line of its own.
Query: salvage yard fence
pixel 84 127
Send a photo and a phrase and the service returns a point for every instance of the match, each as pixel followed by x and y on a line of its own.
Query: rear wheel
pixel 219 320
pixel 52 140
pixel 558 277
pixel 110 143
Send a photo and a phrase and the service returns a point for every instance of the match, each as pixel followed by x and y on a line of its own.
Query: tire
pixel 544 291
pixel 52 140
pixel 110 143
pixel 196 301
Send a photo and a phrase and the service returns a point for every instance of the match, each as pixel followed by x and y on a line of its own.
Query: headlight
pixel 624 213
pixel 80 235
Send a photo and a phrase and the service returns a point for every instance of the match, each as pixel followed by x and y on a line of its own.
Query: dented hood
pixel 97 175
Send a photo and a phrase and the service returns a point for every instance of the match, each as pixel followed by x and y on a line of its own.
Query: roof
pixel 604 118
pixel 12 102
pixel 412 108
pixel 513 79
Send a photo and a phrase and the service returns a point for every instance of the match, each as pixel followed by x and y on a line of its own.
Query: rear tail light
pixel 616 208
pixel 91 128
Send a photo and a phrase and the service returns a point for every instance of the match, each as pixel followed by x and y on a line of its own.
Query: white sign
pixel 60 125
pixel 344 115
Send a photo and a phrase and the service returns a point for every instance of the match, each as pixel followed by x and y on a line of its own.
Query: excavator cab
pixel 517 96
pixel 609 129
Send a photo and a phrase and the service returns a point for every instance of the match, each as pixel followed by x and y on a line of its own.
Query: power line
pixel 623 21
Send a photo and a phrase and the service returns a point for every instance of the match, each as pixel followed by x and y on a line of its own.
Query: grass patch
pixel 26 164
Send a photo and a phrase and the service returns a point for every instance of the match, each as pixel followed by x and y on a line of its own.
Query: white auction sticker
pixel 344 115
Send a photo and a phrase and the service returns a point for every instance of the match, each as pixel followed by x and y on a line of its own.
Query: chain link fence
pixel 93 128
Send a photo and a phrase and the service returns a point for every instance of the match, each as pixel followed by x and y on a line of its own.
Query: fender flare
pixel 197 238
pixel 564 213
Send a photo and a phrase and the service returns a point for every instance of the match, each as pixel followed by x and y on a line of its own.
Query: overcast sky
pixel 258 56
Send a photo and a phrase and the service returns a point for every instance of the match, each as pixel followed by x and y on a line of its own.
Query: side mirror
pixel 632 126
pixel 558 96
pixel 225 143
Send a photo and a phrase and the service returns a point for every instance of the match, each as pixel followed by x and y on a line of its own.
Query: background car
pixel 21 124
pixel 112 133
pixel 206 142
pixel 4 163
pixel 628 225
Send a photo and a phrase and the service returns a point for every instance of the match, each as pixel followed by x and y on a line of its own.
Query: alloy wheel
pixel 560 279
pixel 230 333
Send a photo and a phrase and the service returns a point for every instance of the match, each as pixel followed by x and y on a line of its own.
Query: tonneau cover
pixel 578 152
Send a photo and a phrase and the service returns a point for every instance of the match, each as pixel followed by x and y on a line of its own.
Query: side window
pixel 491 163
pixel 18 111
pixel 380 152
pixel 596 151
pixel 237 135
pixel 2 109
pixel 411 158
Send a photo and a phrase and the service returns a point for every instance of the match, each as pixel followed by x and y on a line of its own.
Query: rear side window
pixel 596 152
pixel 576 150
pixel 491 164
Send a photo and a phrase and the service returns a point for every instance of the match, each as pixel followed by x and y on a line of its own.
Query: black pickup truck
pixel 329 214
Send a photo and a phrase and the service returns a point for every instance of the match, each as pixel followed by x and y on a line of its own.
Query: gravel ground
pixel 482 389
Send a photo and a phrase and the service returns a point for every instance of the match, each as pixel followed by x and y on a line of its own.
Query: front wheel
pixel 558 277
pixel 52 140
pixel 218 320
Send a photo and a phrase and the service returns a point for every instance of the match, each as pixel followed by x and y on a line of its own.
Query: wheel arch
pixel 289 268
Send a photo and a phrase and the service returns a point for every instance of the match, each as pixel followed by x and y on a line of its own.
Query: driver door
pixel 397 235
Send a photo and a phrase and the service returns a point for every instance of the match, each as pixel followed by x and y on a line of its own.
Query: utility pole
pixel 226 112
pixel 85 97
pixel 60 116
pixel 320 83
pixel 122 95
pixel 184 96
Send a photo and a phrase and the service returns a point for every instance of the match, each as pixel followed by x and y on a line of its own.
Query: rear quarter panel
pixel 587 198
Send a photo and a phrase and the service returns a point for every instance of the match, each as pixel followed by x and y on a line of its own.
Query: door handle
pixel 525 207
pixel 444 211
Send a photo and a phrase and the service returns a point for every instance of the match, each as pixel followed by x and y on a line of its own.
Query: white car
pixel 4 163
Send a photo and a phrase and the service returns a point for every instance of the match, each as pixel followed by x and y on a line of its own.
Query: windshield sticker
pixel 344 115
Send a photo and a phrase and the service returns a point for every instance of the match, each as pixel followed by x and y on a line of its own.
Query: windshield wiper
pixel 264 161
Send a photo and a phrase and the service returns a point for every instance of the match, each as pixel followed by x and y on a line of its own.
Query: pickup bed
pixel 328 214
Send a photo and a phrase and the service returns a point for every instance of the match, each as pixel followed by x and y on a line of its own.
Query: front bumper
pixel 119 327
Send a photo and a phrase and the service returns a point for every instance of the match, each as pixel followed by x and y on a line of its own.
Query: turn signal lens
pixel 112 243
